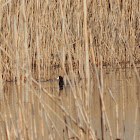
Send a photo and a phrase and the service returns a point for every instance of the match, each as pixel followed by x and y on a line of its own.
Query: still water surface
pixel 29 113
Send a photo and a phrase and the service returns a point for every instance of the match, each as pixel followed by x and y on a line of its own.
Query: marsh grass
pixel 76 37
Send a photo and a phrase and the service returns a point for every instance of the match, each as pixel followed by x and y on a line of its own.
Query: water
pixel 29 113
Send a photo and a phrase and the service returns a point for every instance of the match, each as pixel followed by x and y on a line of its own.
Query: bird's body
pixel 61 82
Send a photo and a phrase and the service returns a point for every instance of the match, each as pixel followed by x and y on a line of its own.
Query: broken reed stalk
pixel 117 114
pixel 135 121
pixel 16 73
pixel 87 76
pixel 101 106
pixel 123 107
pixel 1 78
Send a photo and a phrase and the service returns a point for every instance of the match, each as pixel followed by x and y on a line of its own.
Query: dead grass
pixel 78 37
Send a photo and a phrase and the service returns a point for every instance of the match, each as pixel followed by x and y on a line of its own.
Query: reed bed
pixel 76 38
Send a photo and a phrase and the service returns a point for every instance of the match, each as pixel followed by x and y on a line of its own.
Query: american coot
pixel 61 82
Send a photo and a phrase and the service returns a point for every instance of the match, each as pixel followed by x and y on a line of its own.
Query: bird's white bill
pixel 57 78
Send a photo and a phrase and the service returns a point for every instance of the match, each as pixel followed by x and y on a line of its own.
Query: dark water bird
pixel 66 82
pixel 61 82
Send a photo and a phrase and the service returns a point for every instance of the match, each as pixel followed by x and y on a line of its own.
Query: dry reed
pixel 76 37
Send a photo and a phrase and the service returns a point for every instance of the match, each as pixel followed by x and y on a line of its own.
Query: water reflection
pixel 59 116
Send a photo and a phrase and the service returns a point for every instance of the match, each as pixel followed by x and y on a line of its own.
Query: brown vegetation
pixel 76 37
